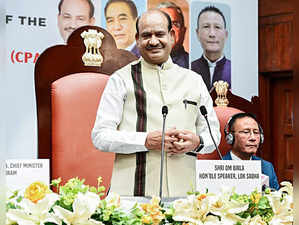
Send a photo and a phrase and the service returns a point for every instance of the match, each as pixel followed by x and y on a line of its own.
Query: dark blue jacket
pixel 222 71
pixel 180 57
pixel 267 169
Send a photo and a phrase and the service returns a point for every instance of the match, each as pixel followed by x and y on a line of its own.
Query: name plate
pixel 20 173
pixel 243 175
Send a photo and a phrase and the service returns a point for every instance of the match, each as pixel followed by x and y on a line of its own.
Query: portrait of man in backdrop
pixel 212 35
pixel 73 14
pixel 120 21
pixel 178 53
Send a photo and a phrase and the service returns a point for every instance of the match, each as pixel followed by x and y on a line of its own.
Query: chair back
pixel 69 80
pixel 75 100
pixel 62 60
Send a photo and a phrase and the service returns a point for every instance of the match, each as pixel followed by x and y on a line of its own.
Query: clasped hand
pixel 176 141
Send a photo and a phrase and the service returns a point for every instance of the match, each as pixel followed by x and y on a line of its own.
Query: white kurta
pixel 115 126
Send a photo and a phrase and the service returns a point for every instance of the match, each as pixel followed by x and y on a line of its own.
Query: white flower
pixel 194 209
pixel 257 220
pixel 113 199
pixel 223 206
pixel 34 213
pixel 212 220
pixel 282 208
pixel 280 221
pixel 9 221
pixel 232 219
pixel 282 204
pixel 287 187
pixel 83 207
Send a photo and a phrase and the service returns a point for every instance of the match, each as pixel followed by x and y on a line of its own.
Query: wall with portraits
pixel 32 26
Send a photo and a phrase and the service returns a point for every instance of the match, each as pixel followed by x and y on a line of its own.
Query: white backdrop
pixel 24 41
pixel 3 115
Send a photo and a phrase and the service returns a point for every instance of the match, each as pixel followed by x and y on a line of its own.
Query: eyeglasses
pixel 247 133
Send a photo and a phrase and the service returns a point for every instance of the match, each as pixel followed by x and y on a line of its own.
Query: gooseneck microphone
pixel 204 112
pixel 164 113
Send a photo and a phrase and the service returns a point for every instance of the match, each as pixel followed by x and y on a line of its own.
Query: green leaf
pixel 263 203
pixel 56 182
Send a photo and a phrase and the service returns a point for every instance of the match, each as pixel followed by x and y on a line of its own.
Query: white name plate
pixel 20 173
pixel 244 175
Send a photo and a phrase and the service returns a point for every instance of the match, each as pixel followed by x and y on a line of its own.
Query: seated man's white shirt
pixel 234 157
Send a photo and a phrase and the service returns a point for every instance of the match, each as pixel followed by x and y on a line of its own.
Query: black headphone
pixel 230 137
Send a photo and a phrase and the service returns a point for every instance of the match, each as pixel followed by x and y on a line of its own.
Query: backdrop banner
pixel 33 26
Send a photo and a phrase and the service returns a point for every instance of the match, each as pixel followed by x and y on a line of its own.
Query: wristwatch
pixel 197 149
pixel 200 146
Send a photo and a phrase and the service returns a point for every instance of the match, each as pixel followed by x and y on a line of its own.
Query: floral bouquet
pixel 78 204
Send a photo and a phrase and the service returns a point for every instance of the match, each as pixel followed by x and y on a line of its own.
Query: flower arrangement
pixel 79 204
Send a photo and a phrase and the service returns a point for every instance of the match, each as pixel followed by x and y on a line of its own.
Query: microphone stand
pixel 203 111
pixel 164 113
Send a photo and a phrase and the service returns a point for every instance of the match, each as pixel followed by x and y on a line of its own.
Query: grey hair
pixel 169 4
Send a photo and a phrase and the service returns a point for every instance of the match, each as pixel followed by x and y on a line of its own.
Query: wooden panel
pixel 288 117
pixel 277 74
pixel 288 131
pixel 274 7
pixel 282 132
pixel 264 95
pixel 266 43
pixel 276 43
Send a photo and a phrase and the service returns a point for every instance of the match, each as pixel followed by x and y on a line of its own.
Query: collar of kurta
pixel 166 65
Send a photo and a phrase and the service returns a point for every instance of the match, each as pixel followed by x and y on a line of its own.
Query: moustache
pixel 150 47
pixel 69 29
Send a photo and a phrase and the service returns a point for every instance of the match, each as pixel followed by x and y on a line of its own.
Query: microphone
pixel 164 113
pixel 204 112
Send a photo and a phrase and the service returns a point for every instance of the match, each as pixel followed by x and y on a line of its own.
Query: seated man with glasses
pixel 245 135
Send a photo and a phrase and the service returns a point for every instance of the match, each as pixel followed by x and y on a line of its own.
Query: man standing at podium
pixel 129 118
pixel 245 135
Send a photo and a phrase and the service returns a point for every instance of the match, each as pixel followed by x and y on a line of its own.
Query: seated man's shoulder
pixel 227 156
pixel 265 163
